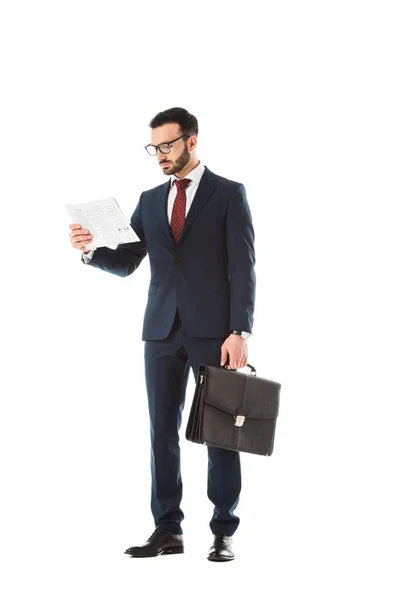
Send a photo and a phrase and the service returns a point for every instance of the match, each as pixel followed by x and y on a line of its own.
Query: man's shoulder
pixel 158 188
pixel 223 180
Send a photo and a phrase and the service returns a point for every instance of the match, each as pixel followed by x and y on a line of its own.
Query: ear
pixel 192 142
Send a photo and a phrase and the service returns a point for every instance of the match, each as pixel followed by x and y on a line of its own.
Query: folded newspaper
pixel 105 221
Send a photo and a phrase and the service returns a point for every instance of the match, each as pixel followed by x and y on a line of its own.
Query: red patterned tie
pixel 179 208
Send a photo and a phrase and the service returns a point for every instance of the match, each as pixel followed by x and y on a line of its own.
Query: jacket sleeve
pixel 241 261
pixel 125 258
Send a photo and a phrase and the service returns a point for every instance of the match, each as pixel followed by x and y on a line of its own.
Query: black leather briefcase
pixel 234 410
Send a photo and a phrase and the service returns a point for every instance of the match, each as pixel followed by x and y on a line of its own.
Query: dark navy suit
pixel 201 288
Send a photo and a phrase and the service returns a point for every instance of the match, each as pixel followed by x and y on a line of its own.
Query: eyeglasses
pixel 163 148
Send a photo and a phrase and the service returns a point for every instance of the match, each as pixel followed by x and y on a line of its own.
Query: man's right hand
pixel 79 237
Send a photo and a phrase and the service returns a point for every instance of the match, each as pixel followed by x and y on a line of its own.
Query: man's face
pixel 178 156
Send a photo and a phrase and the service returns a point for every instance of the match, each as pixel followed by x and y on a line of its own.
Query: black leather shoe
pixel 221 550
pixel 160 542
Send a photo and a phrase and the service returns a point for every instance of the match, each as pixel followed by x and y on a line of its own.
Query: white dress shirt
pixel 194 175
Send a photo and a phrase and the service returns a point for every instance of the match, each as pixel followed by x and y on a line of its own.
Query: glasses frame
pixel 168 143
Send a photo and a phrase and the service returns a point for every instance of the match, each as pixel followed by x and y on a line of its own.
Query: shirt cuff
pixel 87 257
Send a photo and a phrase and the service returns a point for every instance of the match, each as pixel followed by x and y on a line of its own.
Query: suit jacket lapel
pixel 204 190
pixel 164 193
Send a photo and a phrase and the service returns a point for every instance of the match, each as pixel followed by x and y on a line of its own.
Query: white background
pixel 299 101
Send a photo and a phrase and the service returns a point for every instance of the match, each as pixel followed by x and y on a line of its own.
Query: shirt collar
pixel 195 174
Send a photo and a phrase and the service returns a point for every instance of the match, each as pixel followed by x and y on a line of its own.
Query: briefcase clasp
pixel 239 420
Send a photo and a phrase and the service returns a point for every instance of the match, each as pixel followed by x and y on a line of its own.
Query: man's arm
pixel 241 261
pixel 125 258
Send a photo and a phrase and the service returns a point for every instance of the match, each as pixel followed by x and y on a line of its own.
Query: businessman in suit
pixel 197 230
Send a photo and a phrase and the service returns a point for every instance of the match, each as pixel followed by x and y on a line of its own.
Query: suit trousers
pixel 167 364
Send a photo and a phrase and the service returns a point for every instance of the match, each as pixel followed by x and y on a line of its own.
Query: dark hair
pixel 187 122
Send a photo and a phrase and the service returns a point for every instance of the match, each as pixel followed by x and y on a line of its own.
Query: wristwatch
pixel 243 334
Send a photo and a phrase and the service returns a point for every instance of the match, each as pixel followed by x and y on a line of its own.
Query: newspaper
pixel 105 221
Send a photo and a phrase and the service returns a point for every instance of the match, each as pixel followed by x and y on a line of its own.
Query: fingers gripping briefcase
pixel 234 410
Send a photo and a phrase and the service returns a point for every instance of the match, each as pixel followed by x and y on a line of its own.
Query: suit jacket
pixel 208 275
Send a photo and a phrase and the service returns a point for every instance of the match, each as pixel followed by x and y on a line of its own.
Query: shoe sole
pixel 166 551
pixel 216 559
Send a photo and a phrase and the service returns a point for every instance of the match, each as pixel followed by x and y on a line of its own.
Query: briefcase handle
pixel 252 369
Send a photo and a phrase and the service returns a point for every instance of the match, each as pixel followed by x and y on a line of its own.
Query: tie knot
pixel 182 184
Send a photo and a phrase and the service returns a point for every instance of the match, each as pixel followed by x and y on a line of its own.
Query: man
pixel 197 230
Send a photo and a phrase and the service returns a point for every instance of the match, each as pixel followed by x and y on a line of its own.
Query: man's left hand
pixel 236 347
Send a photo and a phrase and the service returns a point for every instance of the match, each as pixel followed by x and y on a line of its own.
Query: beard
pixel 178 164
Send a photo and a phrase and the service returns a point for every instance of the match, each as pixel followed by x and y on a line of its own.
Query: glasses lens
pixel 164 148
pixel 151 150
